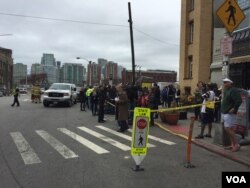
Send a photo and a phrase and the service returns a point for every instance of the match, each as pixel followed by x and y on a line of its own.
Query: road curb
pixel 205 146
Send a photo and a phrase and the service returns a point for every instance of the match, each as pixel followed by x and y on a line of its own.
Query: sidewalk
pixel 182 129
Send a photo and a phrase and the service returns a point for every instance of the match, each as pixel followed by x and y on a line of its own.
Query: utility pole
pixel 132 42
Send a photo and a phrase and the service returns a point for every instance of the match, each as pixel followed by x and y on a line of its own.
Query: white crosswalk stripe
pixel 120 134
pixel 158 139
pixel 106 139
pixel 84 141
pixel 30 157
pixel 57 145
pixel 27 153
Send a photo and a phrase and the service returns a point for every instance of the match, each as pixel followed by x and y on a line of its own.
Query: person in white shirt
pixel 207 112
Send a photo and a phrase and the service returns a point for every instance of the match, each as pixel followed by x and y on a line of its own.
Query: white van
pixel 60 93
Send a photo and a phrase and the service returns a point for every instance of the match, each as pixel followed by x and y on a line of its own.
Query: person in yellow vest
pixel 88 94
pixel 32 93
pixel 37 94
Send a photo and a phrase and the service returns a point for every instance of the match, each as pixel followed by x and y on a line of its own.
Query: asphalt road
pixel 43 148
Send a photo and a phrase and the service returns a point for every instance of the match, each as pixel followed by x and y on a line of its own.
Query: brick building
pixel 93 74
pixel 154 75
pixel 6 68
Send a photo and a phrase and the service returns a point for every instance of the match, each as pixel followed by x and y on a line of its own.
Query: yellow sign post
pixel 140 136
pixel 230 14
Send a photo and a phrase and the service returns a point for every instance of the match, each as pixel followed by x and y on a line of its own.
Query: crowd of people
pixel 213 105
pixel 122 99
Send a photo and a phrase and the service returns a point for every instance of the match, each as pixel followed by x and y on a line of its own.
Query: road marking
pixel 106 139
pixel 57 145
pixel 26 100
pixel 158 139
pixel 28 154
pixel 119 134
pixel 84 141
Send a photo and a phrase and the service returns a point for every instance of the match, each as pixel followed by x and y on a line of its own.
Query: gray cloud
pixel 33 37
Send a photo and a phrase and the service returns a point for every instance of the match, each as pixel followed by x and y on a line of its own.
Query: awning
pixel 240 59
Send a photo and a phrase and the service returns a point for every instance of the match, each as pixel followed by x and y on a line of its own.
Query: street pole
pixel 227 50
pixel 225 63
pixel 132 43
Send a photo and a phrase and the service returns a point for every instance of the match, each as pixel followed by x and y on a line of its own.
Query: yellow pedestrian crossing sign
pixel 230 14
pixel 140 134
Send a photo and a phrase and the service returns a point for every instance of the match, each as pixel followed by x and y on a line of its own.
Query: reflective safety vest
pixel 88 92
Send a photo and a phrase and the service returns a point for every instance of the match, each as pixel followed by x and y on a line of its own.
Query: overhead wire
pixel 90 23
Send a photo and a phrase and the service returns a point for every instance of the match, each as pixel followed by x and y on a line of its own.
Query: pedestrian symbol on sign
pixel 230 14
pixel 140 141
pixel 232 11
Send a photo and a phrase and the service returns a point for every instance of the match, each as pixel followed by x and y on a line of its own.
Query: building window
pixel 189 68
pixel 191 5
pixel 191 32
pixel 187 90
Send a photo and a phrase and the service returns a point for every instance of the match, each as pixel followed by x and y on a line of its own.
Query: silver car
pixel 60 93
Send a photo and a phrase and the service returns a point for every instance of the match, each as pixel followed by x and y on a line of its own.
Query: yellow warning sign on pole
pixel 140 135
pixel 230 15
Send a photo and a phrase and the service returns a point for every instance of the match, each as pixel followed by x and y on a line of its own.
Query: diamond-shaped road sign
pixel 230 14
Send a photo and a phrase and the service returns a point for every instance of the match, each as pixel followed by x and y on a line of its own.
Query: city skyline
pixel 93 29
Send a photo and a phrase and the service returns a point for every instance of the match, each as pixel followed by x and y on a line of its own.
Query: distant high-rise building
pixel 35 68
pixel 119 71
pixel 102 62
pixel 93 74
pixel 19 73
pixel 111 70
pixel 49 67
pixel 58 64
pixel 48 59
pixel 73 73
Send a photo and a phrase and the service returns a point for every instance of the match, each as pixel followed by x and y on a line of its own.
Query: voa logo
pixel 236 179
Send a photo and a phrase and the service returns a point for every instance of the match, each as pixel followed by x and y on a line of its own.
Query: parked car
pixel 3 90
pixel 1 94
pixel 23 91
pixel 60 93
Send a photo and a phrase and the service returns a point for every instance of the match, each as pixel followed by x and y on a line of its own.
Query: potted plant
pixel 162 117
pixel 172 117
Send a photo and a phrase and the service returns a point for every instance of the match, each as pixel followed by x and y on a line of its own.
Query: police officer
pixel 16 95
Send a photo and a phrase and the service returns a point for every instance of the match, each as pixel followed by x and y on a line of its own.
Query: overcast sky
pixel 156 48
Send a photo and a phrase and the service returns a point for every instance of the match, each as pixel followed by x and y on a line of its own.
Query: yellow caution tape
pixel 182 107
pixel 173 109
